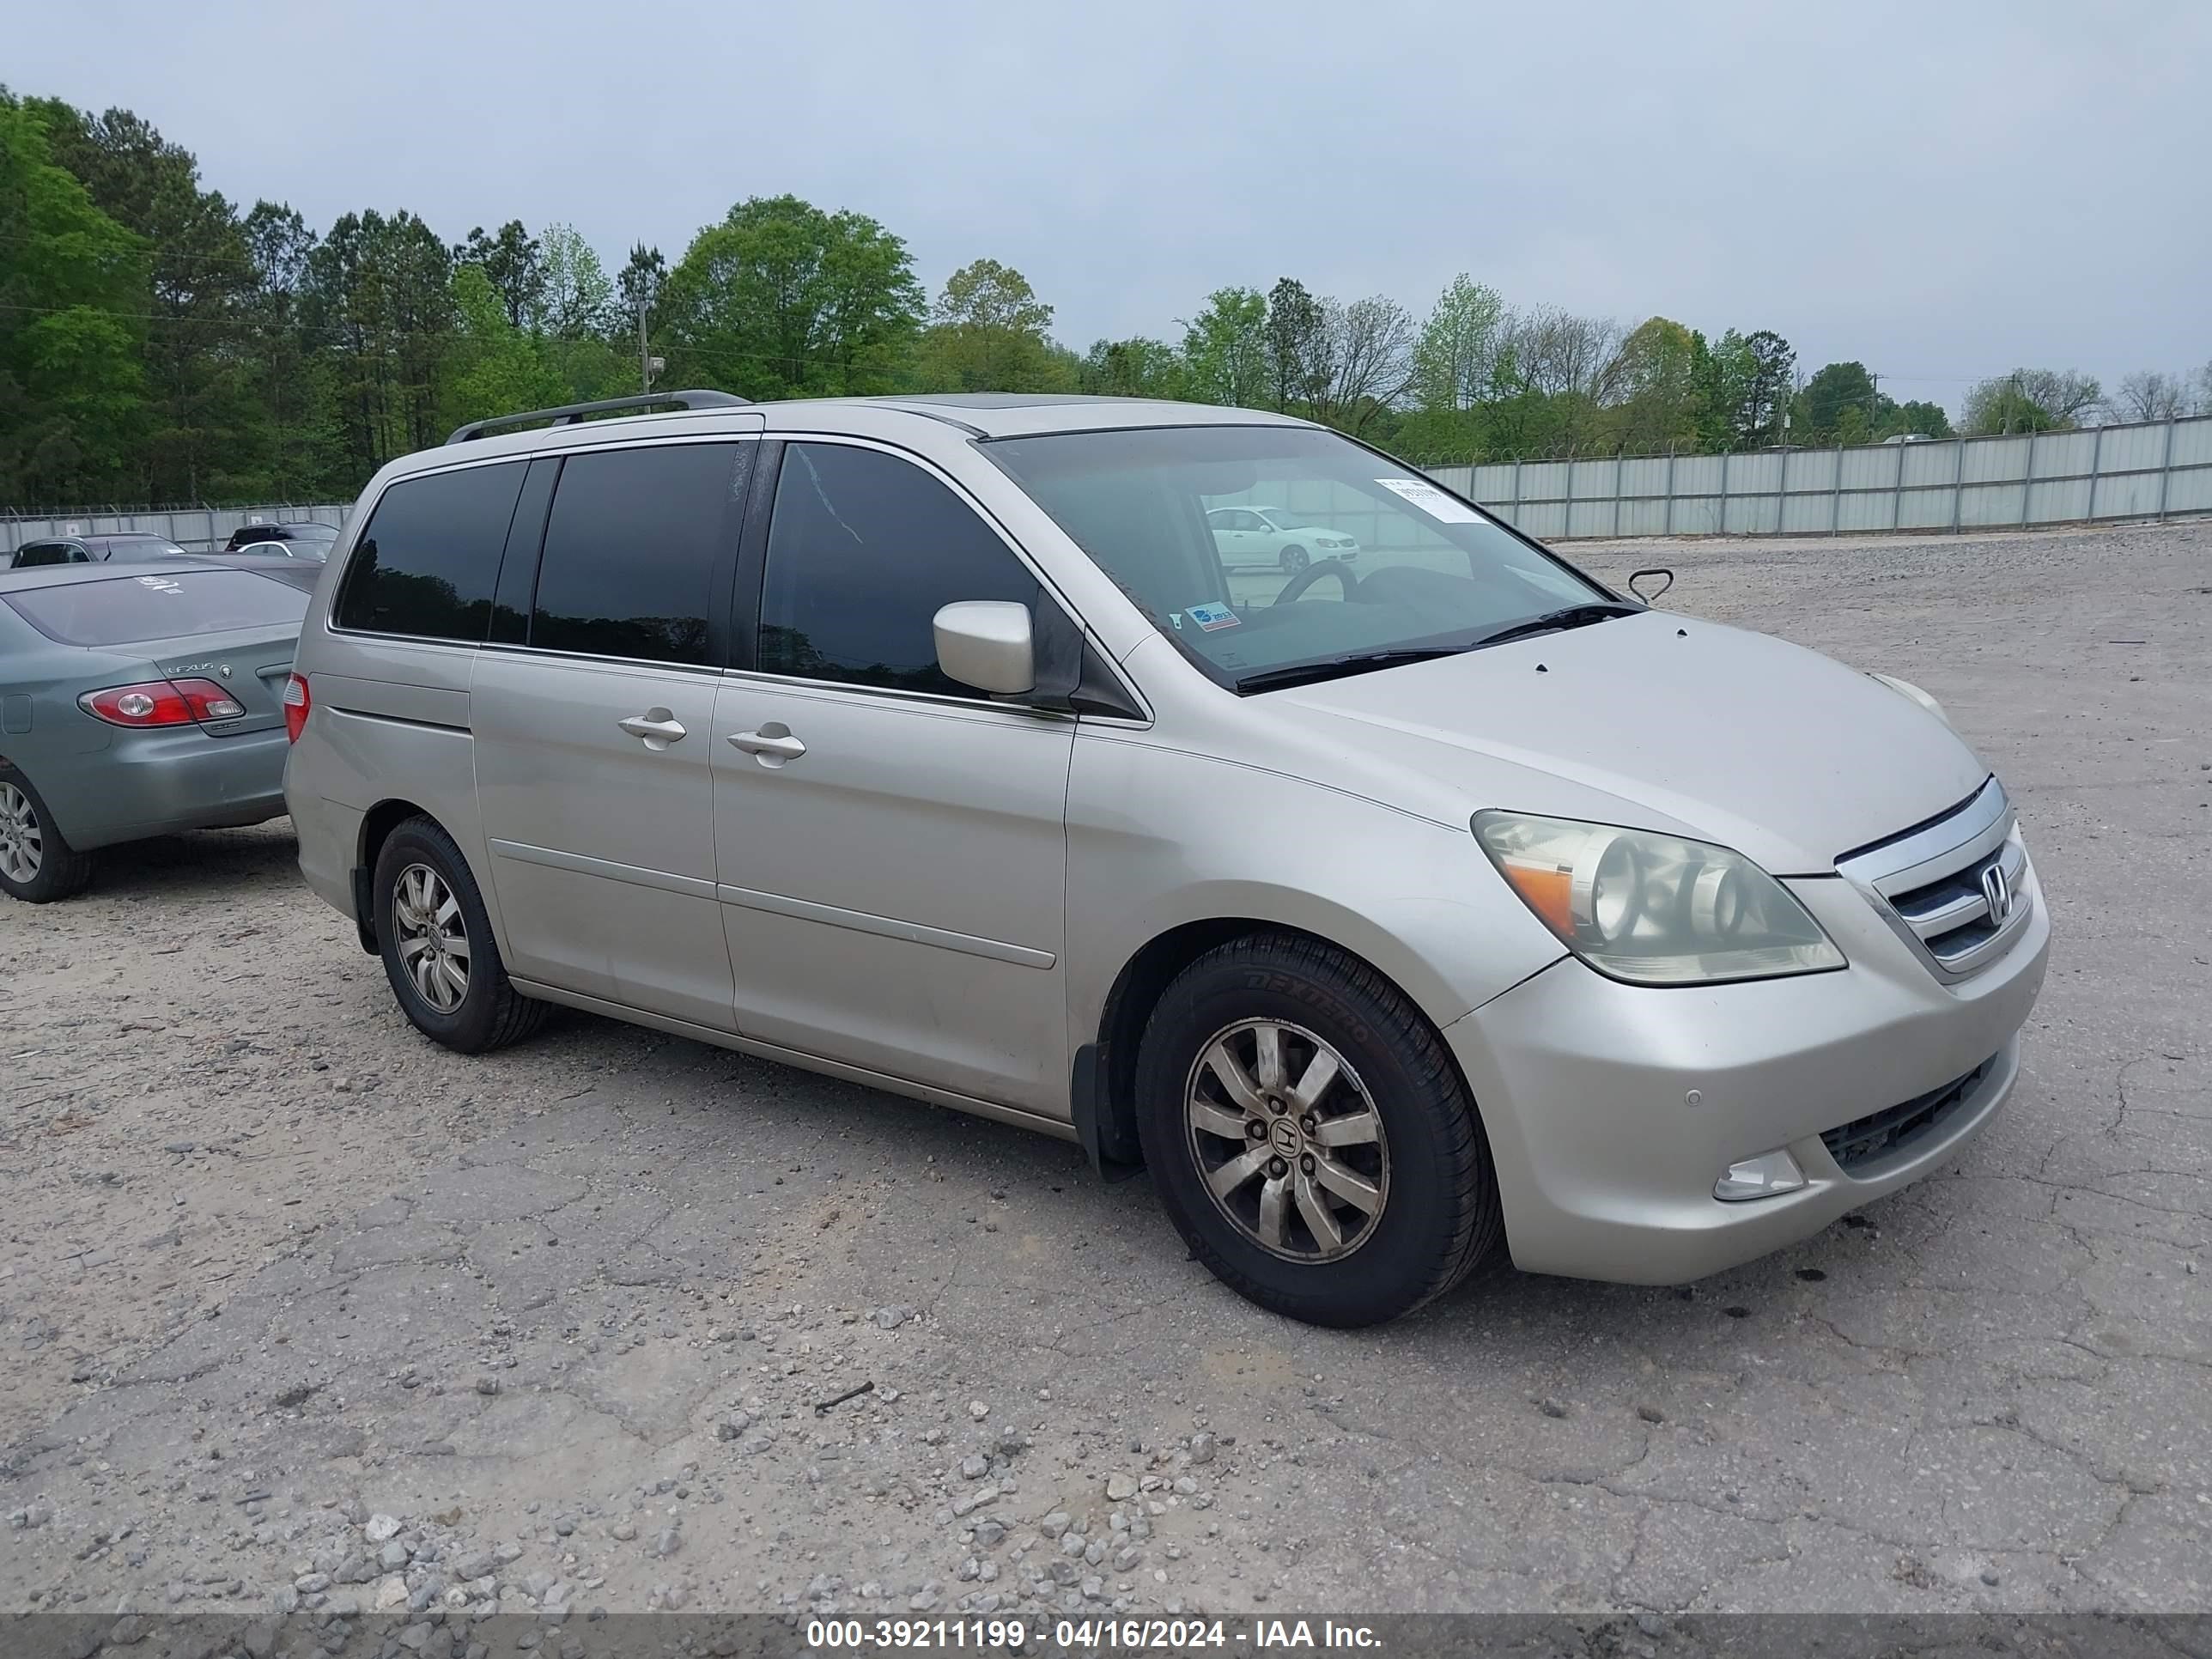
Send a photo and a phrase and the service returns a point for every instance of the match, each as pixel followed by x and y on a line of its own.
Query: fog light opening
pixel 1767 1176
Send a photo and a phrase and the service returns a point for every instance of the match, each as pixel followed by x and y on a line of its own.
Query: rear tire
pixel 1387 1216
pixel 1294 560
pixel 36 864
pixel 435 939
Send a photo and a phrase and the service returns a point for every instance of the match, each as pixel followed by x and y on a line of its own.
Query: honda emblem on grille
pixel 1996 890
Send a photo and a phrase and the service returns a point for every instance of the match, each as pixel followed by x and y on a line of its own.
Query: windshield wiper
pixel 1572 616
pixel 1330 668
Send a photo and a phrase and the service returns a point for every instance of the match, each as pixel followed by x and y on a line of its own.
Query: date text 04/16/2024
pixel 1088 1635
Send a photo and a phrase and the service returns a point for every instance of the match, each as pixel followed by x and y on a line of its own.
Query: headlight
pixel 1653 909
pixel 1908 690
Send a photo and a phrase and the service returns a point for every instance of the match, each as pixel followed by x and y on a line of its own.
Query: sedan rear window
pixel 125 610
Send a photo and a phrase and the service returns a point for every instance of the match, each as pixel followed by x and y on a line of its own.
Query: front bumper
pixel 1605 1165
pixel 160 781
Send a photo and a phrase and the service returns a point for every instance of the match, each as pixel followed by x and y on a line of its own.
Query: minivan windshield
pixel 1428 573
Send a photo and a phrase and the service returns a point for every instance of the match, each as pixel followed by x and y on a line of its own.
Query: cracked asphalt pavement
pixel 297 1309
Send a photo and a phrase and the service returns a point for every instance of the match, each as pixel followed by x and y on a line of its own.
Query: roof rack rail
pixel 570 414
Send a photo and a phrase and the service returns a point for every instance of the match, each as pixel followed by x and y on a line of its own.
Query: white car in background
pixel 1275 537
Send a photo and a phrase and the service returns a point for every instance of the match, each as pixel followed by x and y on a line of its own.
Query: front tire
pixel 1310 1135
pixel 36 864
pixel 435 939
pixel 1294 560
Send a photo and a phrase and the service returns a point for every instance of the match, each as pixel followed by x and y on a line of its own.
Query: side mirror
pixel 987 643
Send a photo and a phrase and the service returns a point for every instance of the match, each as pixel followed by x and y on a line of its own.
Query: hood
pixel 1656 722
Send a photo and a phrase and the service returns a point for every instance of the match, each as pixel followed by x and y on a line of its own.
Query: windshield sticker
pixel 1432 500
pixel 1211 617
pixel 159 584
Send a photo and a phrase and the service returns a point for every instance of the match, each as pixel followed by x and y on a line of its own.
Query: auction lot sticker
pixel 1445 509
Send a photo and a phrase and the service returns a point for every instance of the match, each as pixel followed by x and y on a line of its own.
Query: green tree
pixel 301 453
pixel 201 414
pixel 1135 367
pixel 637 288
pixel 2030 400
pixel 494 367
pixel 513 262
pixel 1767 393
pixel 1225 348
pixel 1743 384
pixel 1927 419
pixel 986 333
pixel 782 299
pixel 379 297
pixel 1298 342
pixel 1835 391
pixel 1456 360
pixel 1454 372
pixel 73 285
pixel 1653 390
pixel 578 299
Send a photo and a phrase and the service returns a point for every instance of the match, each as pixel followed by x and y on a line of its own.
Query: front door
pixel 891 845
pixel 594 735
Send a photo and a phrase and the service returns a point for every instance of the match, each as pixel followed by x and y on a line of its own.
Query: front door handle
pixel 773 743
pixel 657 727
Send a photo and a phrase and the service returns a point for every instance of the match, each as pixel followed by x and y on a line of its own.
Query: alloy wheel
pixel 1287 1141
pixel 433 937
pixel 22 842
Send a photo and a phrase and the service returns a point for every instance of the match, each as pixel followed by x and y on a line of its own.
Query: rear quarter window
pixel 126 609
pixel 428 561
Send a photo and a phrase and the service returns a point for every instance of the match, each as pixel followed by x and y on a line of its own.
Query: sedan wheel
pixel 22 842
pixel 432 937
pixel 37 864
pixel 1288 1141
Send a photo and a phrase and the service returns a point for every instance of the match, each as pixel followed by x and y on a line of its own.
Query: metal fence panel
pixel 2128 495
pixel 1983 507
pixel 1994 460
pixel 2066 454
pixel 2192 443
pixel 2127 448
pixel 2190 491
pixel 2143 470
pixel 197 527
pixel 1815 470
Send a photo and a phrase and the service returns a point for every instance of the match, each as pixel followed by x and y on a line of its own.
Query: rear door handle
pixel 657 727
pixel 774 747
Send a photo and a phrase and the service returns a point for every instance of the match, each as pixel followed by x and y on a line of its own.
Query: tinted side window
pixel 863 551
pixel 631 550
pixel 428 563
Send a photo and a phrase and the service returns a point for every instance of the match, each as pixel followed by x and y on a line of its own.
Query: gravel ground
pixel 298 1310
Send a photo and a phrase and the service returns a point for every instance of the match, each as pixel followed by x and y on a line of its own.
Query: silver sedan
pixel 136 700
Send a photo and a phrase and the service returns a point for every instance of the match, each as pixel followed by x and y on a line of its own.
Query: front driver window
pixel 863 551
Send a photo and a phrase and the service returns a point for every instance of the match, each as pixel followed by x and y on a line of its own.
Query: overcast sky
pixel 1942 190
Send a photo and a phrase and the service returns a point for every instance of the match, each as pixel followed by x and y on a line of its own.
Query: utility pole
pixel 644 360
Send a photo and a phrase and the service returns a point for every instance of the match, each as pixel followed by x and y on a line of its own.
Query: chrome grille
pixel 1957 889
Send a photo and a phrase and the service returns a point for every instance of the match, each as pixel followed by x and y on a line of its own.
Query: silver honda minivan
pixel 1383 915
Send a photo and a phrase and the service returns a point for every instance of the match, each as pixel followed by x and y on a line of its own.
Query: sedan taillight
pixel 161 702
pixel 296 706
